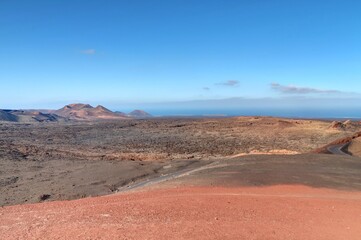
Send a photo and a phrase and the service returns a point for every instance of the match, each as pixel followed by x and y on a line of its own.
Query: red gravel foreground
pixel 277 212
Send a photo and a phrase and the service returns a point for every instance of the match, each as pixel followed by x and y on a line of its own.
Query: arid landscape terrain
pixel 77 159
pixel 188 178
pixel 181 119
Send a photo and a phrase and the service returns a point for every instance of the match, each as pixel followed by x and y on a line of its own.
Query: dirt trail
pixel 140 183
pixel 338 149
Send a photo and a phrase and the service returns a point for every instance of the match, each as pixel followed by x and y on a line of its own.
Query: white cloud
pixel 229 83
pixel 88 51
pixel 299 90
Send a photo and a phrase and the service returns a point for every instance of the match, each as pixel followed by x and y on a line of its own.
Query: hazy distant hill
pixel 28 116
pixel 6 116
pixel 121 113
pixel 36 116
pixel 81 111
pixel 139 114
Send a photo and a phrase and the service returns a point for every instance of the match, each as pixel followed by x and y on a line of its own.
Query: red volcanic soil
pixel 275 212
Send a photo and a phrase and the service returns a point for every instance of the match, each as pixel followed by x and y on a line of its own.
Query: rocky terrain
pixel 166 139
pixel 254 176
pixel 88 155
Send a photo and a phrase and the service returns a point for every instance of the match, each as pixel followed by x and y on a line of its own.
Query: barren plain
pixel 200 178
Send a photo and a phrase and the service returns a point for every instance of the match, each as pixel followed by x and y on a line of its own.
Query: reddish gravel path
pixel 276 212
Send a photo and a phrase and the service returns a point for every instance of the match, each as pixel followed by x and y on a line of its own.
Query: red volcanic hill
pixel 139 114
pixel 81 111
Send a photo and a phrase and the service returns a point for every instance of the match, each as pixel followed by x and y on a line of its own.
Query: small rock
pixel 44 197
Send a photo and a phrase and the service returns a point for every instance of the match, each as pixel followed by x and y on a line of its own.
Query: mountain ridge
pixel 73 111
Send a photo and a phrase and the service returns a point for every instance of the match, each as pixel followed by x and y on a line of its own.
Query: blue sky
pixel 139 52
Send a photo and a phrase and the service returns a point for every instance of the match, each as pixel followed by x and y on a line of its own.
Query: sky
pixel 188 53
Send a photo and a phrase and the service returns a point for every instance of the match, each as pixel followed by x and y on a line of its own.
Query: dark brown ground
pixel 57 161
pixel 30 181
pixel 312 170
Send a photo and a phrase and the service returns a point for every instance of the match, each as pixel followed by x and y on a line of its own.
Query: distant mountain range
pixel 71 112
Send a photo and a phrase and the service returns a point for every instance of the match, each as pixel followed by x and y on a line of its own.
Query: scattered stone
pixel 44 197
